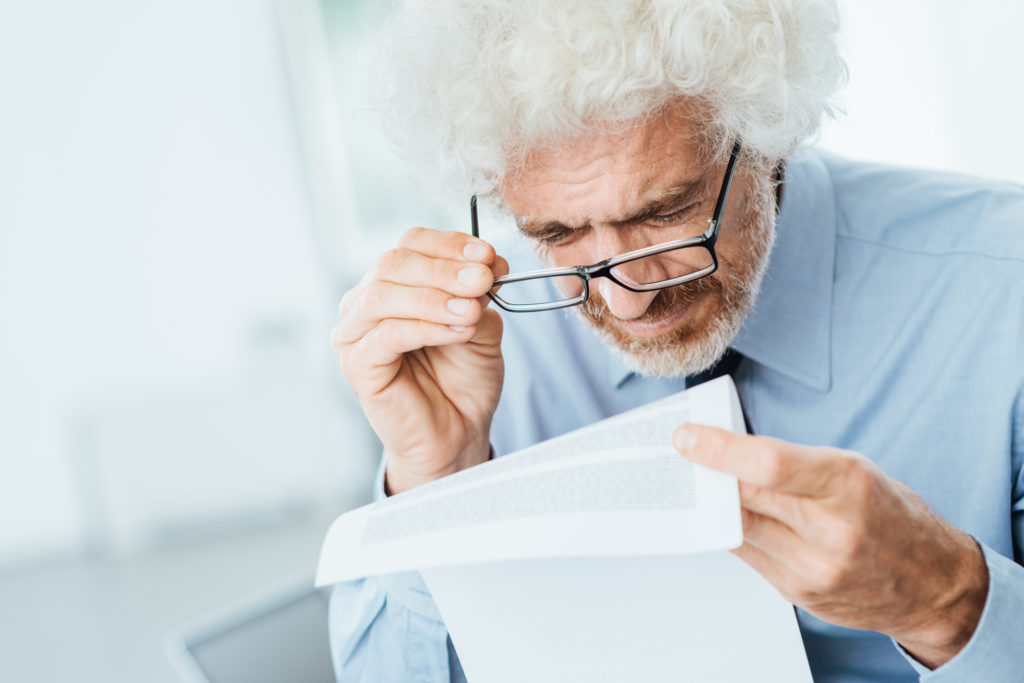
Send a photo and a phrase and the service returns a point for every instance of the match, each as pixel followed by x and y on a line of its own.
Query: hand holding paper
pixel 850 545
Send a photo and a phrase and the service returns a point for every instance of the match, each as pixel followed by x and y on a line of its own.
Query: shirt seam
pixel 922 252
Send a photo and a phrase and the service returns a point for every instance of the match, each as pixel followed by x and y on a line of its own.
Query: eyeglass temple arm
pixel 472 216
pixel 723 194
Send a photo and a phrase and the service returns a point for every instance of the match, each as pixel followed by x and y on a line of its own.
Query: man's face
pixel 614 193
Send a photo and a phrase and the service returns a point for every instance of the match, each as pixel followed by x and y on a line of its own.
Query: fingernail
pixel 474 251
pixel 469 276
pixel 457 328
pixel 684 439
pixel 458 306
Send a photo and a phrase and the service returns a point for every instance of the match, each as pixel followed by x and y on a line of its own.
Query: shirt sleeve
pixel 387 628
pixel 994 652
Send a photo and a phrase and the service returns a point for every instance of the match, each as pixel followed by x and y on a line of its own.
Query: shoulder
pixel 930 256
pixel 927 212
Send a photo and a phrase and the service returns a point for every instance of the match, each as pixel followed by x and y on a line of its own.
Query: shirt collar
pixel 790 328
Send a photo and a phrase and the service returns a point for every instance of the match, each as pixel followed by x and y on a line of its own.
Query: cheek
pixel 561 257
pixel 689 260
pixel 570 287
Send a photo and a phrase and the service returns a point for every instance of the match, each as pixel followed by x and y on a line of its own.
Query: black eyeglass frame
pixel 604 268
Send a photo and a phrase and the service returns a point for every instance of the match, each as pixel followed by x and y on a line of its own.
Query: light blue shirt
pixel 890 322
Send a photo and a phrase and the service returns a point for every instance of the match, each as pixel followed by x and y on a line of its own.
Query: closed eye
pixel 672 218
pixel 554 237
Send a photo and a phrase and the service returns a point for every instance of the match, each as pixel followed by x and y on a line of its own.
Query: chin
pixel 684 350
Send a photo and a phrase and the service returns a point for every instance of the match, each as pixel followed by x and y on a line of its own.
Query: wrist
pixel 955 616
pixel 399 477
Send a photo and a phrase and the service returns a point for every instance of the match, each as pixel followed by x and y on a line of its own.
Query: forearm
pixel 993 652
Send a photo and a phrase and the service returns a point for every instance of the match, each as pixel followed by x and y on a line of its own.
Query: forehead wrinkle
pixel 606 177
pixel 679 192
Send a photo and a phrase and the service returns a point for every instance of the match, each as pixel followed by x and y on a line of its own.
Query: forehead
pixel 606 176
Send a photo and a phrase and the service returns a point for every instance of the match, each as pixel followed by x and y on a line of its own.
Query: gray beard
pixel 675 358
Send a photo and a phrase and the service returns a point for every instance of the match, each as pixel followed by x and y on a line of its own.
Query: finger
pixel 762 461
pixel 500 267
pixel 383 300
pixel 773 571
pixel 786 507
pixel 403 266
pixel 381 348
pixel 454 246
pixel 772 536
pixel 801 574
pixel 489 330
pixel 829 535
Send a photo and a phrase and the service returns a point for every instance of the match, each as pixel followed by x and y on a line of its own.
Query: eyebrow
pixel 667 201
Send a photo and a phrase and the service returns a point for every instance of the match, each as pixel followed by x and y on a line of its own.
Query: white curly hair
pixel 469 87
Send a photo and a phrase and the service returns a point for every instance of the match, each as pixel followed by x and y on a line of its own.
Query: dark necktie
pixel 726 365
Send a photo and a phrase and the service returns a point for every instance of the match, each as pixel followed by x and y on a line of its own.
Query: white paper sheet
pixel 595 556
pixel 703 618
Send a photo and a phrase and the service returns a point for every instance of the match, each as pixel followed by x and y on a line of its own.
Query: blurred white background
pixel 186 189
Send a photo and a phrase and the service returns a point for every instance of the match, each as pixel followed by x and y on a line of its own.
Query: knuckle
pixel 412 236
pixel 426 301
pixel 440 273
pixel 858 476
pixel 346 303
pixel 386 333
pixel 848 539
pixel 829 578
pixel 391 261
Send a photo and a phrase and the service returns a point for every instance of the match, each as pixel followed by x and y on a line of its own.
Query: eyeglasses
pixel 642 270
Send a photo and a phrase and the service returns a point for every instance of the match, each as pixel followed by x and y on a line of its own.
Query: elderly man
pixel 872 317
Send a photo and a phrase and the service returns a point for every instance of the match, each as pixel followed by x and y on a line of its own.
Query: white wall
pixel 156 268
pixel 934 83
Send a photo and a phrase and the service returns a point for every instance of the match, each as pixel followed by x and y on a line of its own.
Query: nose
pixel 624 304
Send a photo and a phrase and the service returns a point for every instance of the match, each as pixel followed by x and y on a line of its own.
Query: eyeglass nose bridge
pixel 606 268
